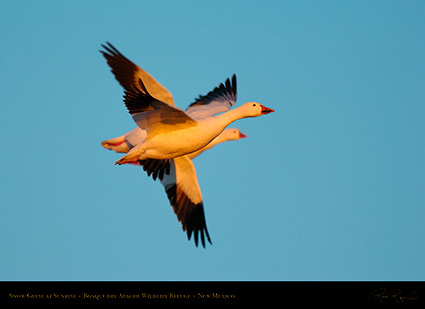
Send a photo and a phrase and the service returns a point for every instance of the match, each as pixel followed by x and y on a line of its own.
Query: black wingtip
pixel 110 48
pixel 198 226
pixel 137 99
pixel 226 90
pixel 233 86
pixel 196 237
pixel 156 168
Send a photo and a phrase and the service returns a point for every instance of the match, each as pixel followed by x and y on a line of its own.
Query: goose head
pixel 232 134
pixel 255 109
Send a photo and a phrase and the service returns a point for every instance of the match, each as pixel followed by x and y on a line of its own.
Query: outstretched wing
pixel 153 115
pixel 219 100
pixel 127 73
pixel 184 194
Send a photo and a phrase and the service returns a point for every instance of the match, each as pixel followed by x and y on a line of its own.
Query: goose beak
pixel 241 135
pixel 266 110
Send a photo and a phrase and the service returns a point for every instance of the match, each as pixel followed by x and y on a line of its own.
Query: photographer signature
pixel 395 295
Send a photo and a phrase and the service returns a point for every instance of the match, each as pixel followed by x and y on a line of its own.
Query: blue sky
pixel 329 187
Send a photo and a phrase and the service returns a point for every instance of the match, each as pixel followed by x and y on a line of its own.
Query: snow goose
pixel 230 134
pixel 173 133
pixel 124 143
pixel 181 183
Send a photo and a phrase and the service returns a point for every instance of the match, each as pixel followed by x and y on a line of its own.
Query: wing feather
pixel 184 194
pixel 219 100
pixel 151 114
pixel 156 168
pixel 127 73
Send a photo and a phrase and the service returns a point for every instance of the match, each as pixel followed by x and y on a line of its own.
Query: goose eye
pixel 254 105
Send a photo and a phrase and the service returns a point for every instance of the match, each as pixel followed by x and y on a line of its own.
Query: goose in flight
pixel 181 183
pixel 124 143
pixel 172 133
pixel 177 175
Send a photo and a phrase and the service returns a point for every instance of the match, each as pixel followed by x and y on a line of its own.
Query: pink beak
pixel 266 110
pixel 241 135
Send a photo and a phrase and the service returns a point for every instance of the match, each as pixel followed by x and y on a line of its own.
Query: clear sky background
pixel 329 187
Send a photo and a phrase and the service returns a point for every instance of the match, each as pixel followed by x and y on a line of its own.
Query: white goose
pixel 124 143
pixel 178 176
pixel 181 183
pixel 170 131
pixel 173 133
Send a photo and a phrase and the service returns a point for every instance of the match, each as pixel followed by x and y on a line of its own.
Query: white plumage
pixel 167 138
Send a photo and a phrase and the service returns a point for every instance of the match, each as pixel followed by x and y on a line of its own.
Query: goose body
pixel 172 133
pixel 181 183
pixel 124 143
pixel 167 139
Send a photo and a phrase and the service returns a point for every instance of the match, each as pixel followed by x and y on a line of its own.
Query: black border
pixel 216 292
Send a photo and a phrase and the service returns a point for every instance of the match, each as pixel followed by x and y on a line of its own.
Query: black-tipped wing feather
pixel 151 114
pixel 124 70
pixel 218 100
pixel 190 215
pixel 184 194
pixel 127 74
pixel 138 99
pixel 156 168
